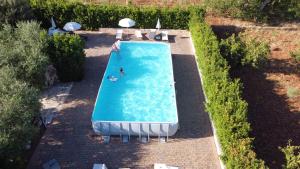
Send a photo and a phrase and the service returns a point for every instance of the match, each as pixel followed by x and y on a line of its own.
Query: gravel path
pixel 71 141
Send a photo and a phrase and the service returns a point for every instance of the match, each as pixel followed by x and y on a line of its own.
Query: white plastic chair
pixel 138 34
pixel 164 35
pixel 99 166
pixel 119 34
pixel 163 166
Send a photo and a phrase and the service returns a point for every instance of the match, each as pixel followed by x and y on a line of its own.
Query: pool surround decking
pixel 70 138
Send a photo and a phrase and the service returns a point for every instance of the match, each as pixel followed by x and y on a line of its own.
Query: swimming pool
pixel 137 93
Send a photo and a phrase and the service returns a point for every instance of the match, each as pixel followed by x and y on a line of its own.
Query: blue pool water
pixel 145 92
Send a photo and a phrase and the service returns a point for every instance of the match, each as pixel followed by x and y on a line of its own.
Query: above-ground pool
pixel 137 93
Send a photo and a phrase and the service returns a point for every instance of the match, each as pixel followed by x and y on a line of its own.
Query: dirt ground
pixel 274 116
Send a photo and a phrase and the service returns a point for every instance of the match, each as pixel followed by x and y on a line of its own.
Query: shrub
pixel 93 16
pixel 296 55
pixel 19 105
pixel 293 92
pixel 292 156
pixel 244 52
pixel 239 9
pixel 256 53
pixel 23 49
pixel 12 11
pixel 224 103
pixel 233 50
pixel 66 52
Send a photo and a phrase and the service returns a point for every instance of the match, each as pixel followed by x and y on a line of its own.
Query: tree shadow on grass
pixel 272 122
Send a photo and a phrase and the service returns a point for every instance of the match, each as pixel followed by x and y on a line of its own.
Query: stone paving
pixel 52 99
pixel 70 138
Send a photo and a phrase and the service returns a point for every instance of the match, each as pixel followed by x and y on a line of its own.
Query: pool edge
pixel 110 127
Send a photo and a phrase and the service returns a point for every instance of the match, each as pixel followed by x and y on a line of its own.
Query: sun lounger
pixel 152 33
pixel 106 139
pixel 99 166
pixel 164 35
pixel 52 164
pixel 138 34
pixel 119 34
pixel 163 166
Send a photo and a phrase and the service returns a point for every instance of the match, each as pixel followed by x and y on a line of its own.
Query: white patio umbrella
pixel 126 22
pixel 158 26
pixel 72 26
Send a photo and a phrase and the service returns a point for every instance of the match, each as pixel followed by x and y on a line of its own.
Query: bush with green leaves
pixel 12 11
pixel 66 52
pixel 23 49
pixel 233 50
pixel 224 102
pixel 241 51
pixel 296 55
pixel 292 156
pixel 19 106
pixel 92 16
pixel 256 53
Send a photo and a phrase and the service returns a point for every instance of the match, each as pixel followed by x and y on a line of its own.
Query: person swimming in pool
pixel 122 71
pixel 112 78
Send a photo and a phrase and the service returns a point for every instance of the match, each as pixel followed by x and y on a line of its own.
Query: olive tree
pixel 19 106
pixel 24 50
pixel 12 11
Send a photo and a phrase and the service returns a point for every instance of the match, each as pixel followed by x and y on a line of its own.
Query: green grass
pixel 293 92
pixel 296 55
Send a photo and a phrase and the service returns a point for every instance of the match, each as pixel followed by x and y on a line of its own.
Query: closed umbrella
pixel 126 23
pixel 72 26
pixel 53 25
pixel 158 26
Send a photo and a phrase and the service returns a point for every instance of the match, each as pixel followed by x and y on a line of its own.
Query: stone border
pixel 52 100
pixel 269 28
pixel 216 139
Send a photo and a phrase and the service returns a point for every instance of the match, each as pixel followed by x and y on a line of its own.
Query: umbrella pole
pixel 127 34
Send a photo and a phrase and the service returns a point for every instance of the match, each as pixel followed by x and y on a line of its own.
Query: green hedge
pixel 66 52
pixel 95 16
pixel 224 103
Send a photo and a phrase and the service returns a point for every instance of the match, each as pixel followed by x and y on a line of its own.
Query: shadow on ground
pixel 284 66
pixel 272 122
pixel 193 120
pixel 225 31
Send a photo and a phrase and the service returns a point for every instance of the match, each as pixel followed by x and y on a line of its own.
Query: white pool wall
pixel 134 128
